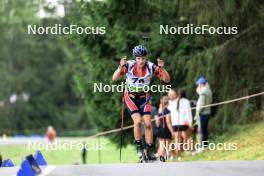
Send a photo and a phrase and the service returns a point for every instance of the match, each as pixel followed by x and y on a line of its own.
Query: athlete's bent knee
pixel 147 126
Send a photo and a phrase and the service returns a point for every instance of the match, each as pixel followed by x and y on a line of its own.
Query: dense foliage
pixel 233 64
pixel 37 70
pixel 53 76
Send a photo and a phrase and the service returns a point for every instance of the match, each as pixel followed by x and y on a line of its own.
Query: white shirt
pixel 136 83
pixel 183 116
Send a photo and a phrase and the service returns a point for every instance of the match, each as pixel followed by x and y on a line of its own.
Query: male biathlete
pixel 139 72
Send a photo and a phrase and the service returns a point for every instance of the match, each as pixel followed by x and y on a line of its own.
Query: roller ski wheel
pixel 162 159
pixel 151 157
pixel 143 158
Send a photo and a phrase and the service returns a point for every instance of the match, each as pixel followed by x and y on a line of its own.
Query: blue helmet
pixel 201 80
pixel 139 51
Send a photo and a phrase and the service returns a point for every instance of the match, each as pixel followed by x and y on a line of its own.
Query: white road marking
pixel 47 170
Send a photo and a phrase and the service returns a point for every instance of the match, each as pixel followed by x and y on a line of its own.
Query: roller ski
pixel 162 159
pixel 142 157
pixel 140 152
pixel 151 157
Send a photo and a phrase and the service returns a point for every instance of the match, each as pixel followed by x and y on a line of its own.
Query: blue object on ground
pixel 7 163
pixel 40 159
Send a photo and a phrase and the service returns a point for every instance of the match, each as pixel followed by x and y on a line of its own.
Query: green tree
pixel 40 67
pixel 231 63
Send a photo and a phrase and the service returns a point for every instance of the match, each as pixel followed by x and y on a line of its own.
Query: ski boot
pixel 150 153
pixel 140 152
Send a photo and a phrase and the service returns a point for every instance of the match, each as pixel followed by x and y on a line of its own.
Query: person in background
pixel 202 114
pixel 1 160
pixel 154 114
pixel 51 133
pixel 172 95
pixel 84 153
pixel 181 117
pixel 163 123
pixel 187 117
pixel 4 136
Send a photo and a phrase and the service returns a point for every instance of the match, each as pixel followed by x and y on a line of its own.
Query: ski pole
pixel 122 116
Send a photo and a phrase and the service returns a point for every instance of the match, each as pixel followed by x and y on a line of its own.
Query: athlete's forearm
pixel 117 74
pixel 165 75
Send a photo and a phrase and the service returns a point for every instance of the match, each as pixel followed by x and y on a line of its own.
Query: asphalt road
pixel 201 168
